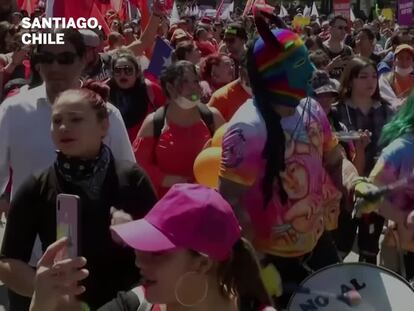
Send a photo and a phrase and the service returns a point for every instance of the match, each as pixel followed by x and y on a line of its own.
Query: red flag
pixel 28 5
pixel 144 9
pixel 74 9
pixel 101 20
pixel 103 6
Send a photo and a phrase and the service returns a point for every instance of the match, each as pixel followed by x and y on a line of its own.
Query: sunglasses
pixel 65 58
pixel 129 71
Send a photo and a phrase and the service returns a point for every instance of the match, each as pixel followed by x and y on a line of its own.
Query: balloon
pixel 272 280
pixel 218 136
pixel 206 167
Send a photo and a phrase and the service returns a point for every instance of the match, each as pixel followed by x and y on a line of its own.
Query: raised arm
pixel 147 38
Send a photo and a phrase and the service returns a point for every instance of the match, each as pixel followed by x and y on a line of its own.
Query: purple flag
pixel 161 57
pixel 405 12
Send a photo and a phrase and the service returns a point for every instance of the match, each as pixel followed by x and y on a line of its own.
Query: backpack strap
pixel 144 305
pixel 159 121
pixel 161 113
pixel 208 117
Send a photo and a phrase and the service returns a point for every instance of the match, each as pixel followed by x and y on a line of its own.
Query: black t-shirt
pixel 111 266
pixel 102 70
pixel 336 72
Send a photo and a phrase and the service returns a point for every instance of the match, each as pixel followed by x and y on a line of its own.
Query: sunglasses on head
pixel 128 70
pixel 65 58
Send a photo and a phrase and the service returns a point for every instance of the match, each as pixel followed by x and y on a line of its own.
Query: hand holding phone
pixel 68 223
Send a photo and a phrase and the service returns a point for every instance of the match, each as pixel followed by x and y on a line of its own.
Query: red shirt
pixel 173 153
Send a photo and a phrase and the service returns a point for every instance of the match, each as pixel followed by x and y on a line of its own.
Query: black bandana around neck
pixel 89 174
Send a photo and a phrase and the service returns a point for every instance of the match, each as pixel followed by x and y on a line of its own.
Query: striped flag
pixel 160 59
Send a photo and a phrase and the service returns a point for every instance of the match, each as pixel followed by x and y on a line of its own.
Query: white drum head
pixel 380 289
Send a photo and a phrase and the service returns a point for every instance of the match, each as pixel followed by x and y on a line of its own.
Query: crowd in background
pixel 363 82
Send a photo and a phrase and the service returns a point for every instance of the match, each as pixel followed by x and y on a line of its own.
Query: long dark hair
pixel 274 150
pixel 138 95
pixel 352 71
pixel 240 276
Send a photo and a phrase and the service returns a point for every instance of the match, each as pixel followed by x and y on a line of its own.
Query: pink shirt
pixel 292 229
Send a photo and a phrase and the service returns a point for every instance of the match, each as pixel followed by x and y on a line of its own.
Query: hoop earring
pixel 178 284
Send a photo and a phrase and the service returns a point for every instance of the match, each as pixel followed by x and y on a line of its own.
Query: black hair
pixel 137 112
pixel 241 276
pixel 174 73
pixel 274 150
pixel 182 49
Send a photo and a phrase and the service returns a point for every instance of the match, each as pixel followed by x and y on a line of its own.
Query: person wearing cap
pixel 397 85
pixel 178 36
pixel 326 92
pixel 25 142
pixel 281 165
pixel 171 138
pixel 185 263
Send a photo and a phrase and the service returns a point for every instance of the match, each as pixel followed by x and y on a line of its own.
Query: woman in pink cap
pixel 190 253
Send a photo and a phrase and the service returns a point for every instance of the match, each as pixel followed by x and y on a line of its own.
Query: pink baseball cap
pixel 189 216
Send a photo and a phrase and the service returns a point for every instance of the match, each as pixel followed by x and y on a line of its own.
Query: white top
pixel 26 143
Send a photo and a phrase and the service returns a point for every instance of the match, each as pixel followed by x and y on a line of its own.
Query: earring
pixel 179 284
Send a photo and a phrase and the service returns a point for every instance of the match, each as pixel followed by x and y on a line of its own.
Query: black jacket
pixel 111 266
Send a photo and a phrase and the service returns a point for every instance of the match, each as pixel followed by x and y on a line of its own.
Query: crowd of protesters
pixel 307 119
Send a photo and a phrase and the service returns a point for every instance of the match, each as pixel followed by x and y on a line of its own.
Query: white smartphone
pixel 68 223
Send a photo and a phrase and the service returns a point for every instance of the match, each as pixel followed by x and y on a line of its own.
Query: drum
pixel 379 288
